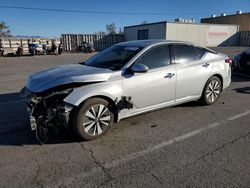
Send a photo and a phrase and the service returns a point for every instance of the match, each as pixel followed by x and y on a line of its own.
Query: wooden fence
pixel 73 42
pixel 244 38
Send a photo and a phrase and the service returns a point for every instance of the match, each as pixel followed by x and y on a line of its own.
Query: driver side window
pixel 156 57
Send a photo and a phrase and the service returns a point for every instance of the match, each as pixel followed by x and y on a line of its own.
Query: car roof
pixel 145 43
pixel 152 42
pixel 247 51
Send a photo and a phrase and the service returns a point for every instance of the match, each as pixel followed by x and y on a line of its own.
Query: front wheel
pixel 93 119
pixel 211 91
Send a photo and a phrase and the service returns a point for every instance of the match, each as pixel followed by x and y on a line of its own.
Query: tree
pixel 4 30
pixel 111 28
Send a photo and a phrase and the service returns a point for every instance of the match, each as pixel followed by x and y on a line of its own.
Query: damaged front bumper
pixel 47 112
pixel 63 116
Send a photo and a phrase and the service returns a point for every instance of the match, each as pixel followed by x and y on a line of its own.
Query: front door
pixel 155 86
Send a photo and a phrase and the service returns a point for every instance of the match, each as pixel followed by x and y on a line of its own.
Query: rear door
pixel 193 70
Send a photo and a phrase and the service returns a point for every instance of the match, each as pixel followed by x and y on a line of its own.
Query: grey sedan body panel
pixel 152 90
pixel 173 84
pixel 65 74
pixel 111 90
pixel 191 78
pixel 135 111
pixel 222 69
pixel 156 87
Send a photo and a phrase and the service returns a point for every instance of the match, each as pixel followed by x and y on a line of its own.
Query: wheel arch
pixel 111 102
pixel 220 77
pixel 109 99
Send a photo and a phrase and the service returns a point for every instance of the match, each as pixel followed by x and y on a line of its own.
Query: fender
pixel 112 90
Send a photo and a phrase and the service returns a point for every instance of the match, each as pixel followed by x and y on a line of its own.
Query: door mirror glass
pixel 139 68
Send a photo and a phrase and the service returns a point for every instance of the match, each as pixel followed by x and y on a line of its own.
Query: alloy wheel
pixel 213 91
pixel 96 120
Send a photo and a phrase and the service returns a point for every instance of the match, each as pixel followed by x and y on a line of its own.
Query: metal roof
pixel 168 22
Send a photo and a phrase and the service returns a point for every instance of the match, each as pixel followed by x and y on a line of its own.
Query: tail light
pixel 230 61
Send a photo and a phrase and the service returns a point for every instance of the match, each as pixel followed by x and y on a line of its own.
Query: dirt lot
pixel 184 146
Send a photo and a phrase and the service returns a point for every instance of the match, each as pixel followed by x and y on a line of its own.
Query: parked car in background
pixel 60 49
pixel 19 51
pixel 33 49
pixel 241 63
pixel 1 52
pixel 36 48
pixel 87 47
pixel 52 50
pixel 124 80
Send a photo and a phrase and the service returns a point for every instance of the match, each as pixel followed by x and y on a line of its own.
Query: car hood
pixel 66 74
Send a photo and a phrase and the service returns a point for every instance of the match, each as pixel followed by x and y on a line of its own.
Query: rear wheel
pixel 212 90
pixel 93 119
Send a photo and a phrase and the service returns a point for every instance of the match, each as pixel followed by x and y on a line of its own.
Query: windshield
pixel 113 58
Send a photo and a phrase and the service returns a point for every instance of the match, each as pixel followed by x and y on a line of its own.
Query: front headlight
pixel 25 93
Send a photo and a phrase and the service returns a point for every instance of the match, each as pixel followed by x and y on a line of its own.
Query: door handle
pixel 169 75
pixel 205 65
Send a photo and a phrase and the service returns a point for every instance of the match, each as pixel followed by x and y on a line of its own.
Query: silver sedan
pixel 124 80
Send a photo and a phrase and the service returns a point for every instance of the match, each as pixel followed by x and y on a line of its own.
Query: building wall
pixel 203 34
pixel 243 20
pixel 244 38
pixel 155 31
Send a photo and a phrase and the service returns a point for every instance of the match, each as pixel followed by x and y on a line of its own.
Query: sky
pixel 53 24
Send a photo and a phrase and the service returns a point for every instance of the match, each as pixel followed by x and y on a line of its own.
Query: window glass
pixel 184 53
pixel 201 52
pixel 114 58
pixel 156 57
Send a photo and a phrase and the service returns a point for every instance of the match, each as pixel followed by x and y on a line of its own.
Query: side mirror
pixel 139 68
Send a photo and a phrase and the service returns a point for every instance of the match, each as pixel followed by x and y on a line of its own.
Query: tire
pixel 93 119
pixel 32 53
pixel 211 91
